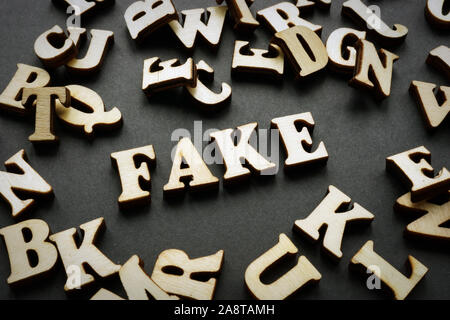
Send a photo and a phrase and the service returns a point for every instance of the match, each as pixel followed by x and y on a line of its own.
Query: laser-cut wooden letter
pixel 232 154
pixel 53 56
pixel 335 48
pixel 248 60
pixel 183 285
pixel 298 56
pixel 241 14
pixel 286 285
pixel 368 60
pixel 18 248
pixel 326 214
pixel 295 141
pixel 193 25
pixel 87 121
pixel 434 11
pixel 283 16
pixel 86 253
pixel 440 59
pixel 45 109
pixel 417 172
pixel 30 181
pixel 26 77
pixel 144 17
pixel 158 76
pixel 397 282
pixel 126 161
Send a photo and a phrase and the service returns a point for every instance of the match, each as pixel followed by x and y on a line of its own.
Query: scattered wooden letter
pixel 158 76
pixel 51 54
pixel 87 121
pixel 367 61
pixel 26 77
pixel 366 18
pixel 295 141
pixel 434 113
pixel 203 96
pixel 73 255
pixel 435 215
pixel 247 60
pixel 232 154
pixel 22 269
pixel 182 283
pixel 130 176
pixel 326 214
pixel 414 165
pixel 193 25
pixel 84 6
pixel 283 16
pixel 241 14
pixel 434 11
pixel 287 284
pixel 29 181
pixel 45 109
pixel 144 17
pixel 298 55
pixel 397 282
pixel 440 59
pixel 343 57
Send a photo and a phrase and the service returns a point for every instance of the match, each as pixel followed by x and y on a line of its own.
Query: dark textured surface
pixel 359 134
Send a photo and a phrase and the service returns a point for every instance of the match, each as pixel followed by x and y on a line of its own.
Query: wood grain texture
pixel 380 64
pixel 244 22
pixel 131 176
pixel 439 58
pixel 98 118
pixel 298 56
pixel 289 282
pixel 430 225
pixel 19 248
pixel 364 17
pixel 397 282
pixel 193 26
pixel 51 54
pixel 29 181
pixel 326 213
pixel 73 255
pixel 25 77
pixel 434 12
pixel 182 284
pixel 414 167
pixel 265 62
pixel 433 112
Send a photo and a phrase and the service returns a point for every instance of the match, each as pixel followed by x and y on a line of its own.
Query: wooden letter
pixel 83 6
pixel 399 284
pixel 367 61
pixel 194 169
pixel 158 76
pixel 26 77
pixel 86 253
pixel 433 112
pixel 430 225
pixel 303 63
pixel 203 96
pixel 87 121
pixel 440 59
pixel 364 17
pixel 233 154
pixel 295 141
pixel 100 41
pixel 183 285
pixel 130 176
pixel 29 181
pixel 286 285
pixel 22 269
pixel 326 214
pixel 193 25
pixel 248 60
pixel 434 12
pixel 283 16
pixel 241 14
pixel 52 55
pixel 45 107
pixel 414 165
pixel 144 17
pixel 343 57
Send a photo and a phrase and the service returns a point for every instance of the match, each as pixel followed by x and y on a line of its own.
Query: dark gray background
pixel 359 134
